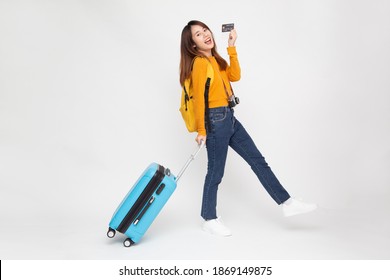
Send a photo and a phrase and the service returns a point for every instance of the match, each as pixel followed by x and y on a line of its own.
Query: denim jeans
pixel 224 131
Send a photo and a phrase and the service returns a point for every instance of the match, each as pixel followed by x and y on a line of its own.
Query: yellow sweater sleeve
pixel 217 93
pixel 234 69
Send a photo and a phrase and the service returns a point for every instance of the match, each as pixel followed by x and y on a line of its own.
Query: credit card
pixel 227 27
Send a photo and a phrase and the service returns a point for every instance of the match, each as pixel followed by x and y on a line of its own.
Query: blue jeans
pixel 224 131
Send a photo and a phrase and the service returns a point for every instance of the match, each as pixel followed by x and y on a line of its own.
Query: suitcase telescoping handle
pixel 192 157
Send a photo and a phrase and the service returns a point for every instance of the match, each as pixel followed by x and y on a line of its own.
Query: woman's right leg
pixel 216 153
pixel 217 144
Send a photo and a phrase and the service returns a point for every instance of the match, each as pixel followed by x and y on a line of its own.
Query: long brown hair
pixel 188 52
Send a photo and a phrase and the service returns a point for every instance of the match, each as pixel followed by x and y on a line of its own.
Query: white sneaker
pixel 216 227
pixel 293 207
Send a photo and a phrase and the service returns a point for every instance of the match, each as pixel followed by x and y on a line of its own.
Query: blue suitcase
pixel 144 202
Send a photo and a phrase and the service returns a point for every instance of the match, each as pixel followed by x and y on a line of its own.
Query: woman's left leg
pixel 243 144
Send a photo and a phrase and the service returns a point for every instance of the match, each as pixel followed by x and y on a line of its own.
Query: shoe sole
pixel 300 212
pixel 216 234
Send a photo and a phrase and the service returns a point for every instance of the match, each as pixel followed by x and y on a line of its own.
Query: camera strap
pixel 224 85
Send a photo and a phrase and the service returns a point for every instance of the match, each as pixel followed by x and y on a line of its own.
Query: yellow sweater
pixel 217 93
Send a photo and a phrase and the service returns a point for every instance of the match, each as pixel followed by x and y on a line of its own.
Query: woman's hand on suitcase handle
pixel 201 139
pixel 202 143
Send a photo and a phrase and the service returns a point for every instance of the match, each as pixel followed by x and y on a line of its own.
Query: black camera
pixel 233 101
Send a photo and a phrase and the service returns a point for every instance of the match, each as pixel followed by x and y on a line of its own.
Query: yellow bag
pixel 187 103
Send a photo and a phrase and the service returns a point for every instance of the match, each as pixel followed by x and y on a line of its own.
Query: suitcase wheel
pixel 128 242
pixel 111 233
pixel 168 172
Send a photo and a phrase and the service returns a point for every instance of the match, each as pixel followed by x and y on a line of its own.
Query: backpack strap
pixel 210 75
pixel 187 85
pixel 206 105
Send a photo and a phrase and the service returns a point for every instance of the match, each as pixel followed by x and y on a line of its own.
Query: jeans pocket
pixel 217 122
pixel 217 117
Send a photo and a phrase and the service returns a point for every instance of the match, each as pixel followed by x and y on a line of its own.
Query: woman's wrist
pixel 232 50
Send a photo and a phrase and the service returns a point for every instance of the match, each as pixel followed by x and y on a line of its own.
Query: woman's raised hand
pixel 232 38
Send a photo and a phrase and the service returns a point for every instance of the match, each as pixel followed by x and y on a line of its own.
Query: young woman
pixel 222 129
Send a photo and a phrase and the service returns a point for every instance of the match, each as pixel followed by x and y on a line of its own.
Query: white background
pixel 89 96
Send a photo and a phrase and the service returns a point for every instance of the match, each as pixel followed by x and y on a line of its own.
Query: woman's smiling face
pixel 203 39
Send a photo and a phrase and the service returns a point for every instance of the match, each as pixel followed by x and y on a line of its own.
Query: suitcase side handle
pixel 192 157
